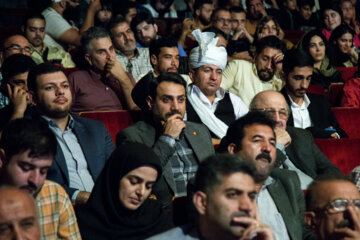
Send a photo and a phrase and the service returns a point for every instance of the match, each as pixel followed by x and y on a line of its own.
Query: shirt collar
pixel 40 52
pixel 220 93
pixel 137 53
pixel 305 103
pixel 53 124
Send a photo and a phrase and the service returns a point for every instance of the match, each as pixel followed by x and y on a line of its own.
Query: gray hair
pixel 90 34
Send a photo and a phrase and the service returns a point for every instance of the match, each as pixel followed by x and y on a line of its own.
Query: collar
pixel 305 103
pixel 220 93
pixel 42 50
pixel 53 124
pixel 137 53
pixel 267 182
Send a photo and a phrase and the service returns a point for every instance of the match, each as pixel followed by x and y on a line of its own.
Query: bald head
pixel 274 104
pixel 16 44
pixel 18 217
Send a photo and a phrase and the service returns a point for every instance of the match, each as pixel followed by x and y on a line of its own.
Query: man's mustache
pixel 264 155
pixel 169 114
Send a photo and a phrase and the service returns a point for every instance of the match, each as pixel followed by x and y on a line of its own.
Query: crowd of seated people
pixel 230 142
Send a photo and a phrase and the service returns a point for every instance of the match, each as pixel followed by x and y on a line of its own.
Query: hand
pixel 82 197
pixel 282 137
pixel 95 6
pixel 335 135
pixel 278 60
pixel 114 68
pixel 174 125
pixel 19 99
pixel 187 26
pixel 348 233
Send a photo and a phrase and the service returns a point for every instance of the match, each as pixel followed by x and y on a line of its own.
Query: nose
pixel 245 204
pixel 59 91
pixel 35 177
pixel 213 75
pixel 173 61
pixel 140 191
pixel 265 147
pixel 268 64
pixel 18 233
pixel 304 84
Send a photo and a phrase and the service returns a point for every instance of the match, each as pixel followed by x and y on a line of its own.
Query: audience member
pixel 207 102
pixel 224 199
pixel 246 79
pixel 135 60
pixel 84 145
pixel 342 53
pixel 349 15
pixel 105 85
pixel 309 111
pixel 125 9
pixel 104 16
pixel 27 149
pixel 307 19
pixel 332 209
pixel 161 8
pixel 222 37
pixel 60 29
pixel 279 197
pixel 14 87
pixel 18 217
pixel 119 206
pixel 203 10
pixel 289 11
pixel 180 145
pixel 315 44
pixel 34 31
pixel 221 19
pixel 238 20
pixel 297 150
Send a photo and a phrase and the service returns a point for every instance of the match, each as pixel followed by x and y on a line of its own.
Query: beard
pixel 204 21
pixel 265 75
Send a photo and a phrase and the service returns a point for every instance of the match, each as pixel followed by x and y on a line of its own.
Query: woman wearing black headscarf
pixel 119 207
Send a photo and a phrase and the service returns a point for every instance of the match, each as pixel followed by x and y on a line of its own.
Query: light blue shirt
pixel 79 175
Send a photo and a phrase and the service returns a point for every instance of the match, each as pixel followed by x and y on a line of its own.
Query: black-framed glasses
pixel 283 113
pixel 339 205
pixel 16 47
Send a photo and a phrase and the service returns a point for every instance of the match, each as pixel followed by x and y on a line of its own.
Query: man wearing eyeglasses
pixel 221 19
pixel 333 209
pixel 296 149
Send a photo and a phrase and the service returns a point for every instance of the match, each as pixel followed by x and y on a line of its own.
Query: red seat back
pixel 335 94
pixel 343 153
pixel 349 119
pixel 347 72
pixel 316 89
pixel 293 36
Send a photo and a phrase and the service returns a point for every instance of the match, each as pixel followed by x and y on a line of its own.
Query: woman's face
pixel 269 29
pixel 332 19
pixel 136 186
pixel 104 15
pixel 317 48
pixel 345 43
pixel 348 10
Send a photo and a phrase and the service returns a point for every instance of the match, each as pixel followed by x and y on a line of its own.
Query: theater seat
pixel 68 71
pixel 349 119
pixel 347 72
pixel 316 89
pixel 343 153
pixel 293 35
pixel 335 93
pixel 115 120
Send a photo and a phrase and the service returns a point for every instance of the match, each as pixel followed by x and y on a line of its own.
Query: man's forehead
pixel 237 180
pixel 143 24
pixel 270 52
pixel 17 39
pixel 169 50
pixel 99 43
pixel 222 13
pixel 270 100
pixel 56 77
pixel 35 21
pixel 259 129
pixel 122 27
pixel 170 89
pixel 211 66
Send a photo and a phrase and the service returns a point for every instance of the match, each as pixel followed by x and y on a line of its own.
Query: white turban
pixel 207 52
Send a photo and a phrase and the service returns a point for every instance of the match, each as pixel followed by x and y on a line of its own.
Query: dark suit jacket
pixel 305 155
pixel 289 200
pixel 197 136
pixel 321 116
pixel 96 144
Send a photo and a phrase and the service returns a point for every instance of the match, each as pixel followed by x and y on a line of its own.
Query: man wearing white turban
pixel 207 102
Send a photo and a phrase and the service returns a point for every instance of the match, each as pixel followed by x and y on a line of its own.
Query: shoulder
pixel 182 232
pixel 316 98
pixel 138 128
pixel 82 74
pixel 295 132
pixel 90 124
pixel 52 190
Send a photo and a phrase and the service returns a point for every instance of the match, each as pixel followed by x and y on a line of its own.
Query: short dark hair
pixel 156 45
pixel 123 7
pixel 236 130
pixel 237 9
pixel 165 77
pixel 32 15
pixel 90 34
pixel 114 23
pixel 214 168
pixel 247 2
pixel 23 134
pixel 141 17
pixel 14 65
pixel 270 41
pixel 199 3
pixel 302 3
pixel 43 68
pixel 296 58
pixel 310 192
pixel 216 11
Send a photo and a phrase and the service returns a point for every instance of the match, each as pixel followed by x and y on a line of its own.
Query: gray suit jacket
pixel 197 136
pixel 305 155
pixel 184 232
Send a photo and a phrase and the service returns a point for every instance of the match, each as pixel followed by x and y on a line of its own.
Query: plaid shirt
pixel 56 214
pixel 355 176
pixel 183 163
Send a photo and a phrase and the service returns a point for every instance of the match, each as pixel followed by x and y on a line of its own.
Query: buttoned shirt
pixel 138 65
pixel 301 113
pixel 49 53
pixel 269 213
pixel 56 214
pixel 183 163
pixel 79 175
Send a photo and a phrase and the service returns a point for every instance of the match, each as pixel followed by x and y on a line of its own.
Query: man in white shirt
pixel 208 103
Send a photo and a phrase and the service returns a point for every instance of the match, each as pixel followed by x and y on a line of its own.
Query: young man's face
pixel 306 12
pixel 256 9
pixel 170 99
pixel 204 13
pixel 290 4
pixel 298 81
pixel 222 21
pixel 238 20
pixel 35 31
pixel 207 78
pixel 25 172
pixel 102 50
pixel 53 96
pixel 130 15
pixel 146 33
pixel 168 60
pixel 18 83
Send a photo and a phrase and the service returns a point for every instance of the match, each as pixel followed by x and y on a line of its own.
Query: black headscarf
pixel 104 217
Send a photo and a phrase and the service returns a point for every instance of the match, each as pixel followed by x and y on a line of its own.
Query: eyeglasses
pixel 283 113
pixel 15 47
pixel 222 20
pixel 340 205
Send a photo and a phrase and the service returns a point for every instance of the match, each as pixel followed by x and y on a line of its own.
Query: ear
pixel 197 12
pixel 192 75
pixel 153 60
pixel 309 219
pixel 156 27
pixel 200 202
pixel 88 59
pixel 150 102
pixel 23 29
pixel 232 149
pixel 283 76
pixel 2 157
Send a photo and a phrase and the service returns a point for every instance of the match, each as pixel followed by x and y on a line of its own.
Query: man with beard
pixel 83 145
pixel 180 145
pixel 27 150
pixel 202 14
pixel 34 31
pixel 309 111
pixel 246 79
pixel 134 60
pixel 280 199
